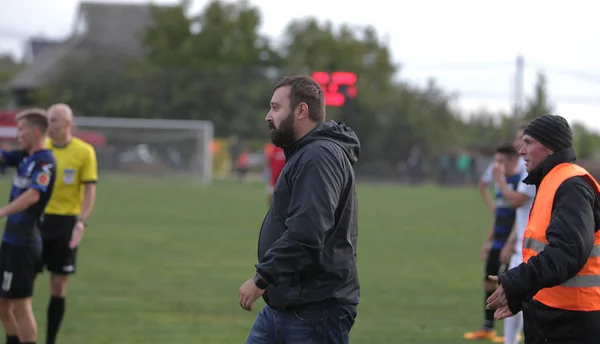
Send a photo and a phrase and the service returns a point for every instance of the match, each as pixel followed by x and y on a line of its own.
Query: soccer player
pixel 68 210
pixel 20 250
pixel 522 200
pixel 487 178
pixel 276 161
pixel 504 220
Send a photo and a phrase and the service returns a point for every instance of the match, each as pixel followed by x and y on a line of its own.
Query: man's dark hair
pixel 34 117
pixel 303 89
pixel 507 149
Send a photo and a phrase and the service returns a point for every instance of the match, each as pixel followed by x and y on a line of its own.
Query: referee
pixel 68 209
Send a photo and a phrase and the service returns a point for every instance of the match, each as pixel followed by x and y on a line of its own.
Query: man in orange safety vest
pixel 558 284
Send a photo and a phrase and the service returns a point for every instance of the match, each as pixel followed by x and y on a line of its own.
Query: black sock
pixel 488 324
pixel 12 339
pixel 56 310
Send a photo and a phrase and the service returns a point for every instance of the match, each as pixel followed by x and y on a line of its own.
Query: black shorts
pixel 19 266
pixel 493 266
pixel 57 256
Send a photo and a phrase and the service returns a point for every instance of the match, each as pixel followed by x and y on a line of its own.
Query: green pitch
pixel 162 262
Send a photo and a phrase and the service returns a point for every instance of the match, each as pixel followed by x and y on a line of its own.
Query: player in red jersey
pixel 275 161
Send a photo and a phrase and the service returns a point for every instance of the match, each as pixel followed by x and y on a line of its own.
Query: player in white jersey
pixel 522 200
pixel 487 178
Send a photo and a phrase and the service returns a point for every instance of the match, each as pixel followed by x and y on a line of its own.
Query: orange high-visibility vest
pixel 582 292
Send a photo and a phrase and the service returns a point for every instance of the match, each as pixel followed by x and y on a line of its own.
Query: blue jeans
pixel 314 324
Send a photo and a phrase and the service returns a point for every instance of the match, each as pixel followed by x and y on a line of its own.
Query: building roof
pixel 109 28
pixel 116 26
pixel 37 45
pixel 44 67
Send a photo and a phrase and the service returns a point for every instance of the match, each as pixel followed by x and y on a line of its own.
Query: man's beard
pixel 285 135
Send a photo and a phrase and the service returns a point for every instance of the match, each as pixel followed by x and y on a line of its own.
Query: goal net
pixel 150 146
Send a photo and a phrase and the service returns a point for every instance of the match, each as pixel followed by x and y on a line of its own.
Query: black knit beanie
pixel 552 131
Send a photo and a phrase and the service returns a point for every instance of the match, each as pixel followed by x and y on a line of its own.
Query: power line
pixel 458 66
pixel 498 95
pixel 474 66
pixel 577 74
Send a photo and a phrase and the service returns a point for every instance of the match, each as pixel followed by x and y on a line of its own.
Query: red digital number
pixel 331 85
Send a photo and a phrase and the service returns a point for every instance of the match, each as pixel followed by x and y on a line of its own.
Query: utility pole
pixel 518 90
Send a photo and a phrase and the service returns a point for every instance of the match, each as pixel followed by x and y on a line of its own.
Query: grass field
pixel 162 263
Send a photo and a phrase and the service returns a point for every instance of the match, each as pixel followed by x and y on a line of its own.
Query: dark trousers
pixel 314 324
pixel 542 326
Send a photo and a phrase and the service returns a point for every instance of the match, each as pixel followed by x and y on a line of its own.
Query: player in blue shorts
pixel 21 247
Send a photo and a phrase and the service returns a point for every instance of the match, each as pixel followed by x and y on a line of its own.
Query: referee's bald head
pixel 60 118
pixel 61 110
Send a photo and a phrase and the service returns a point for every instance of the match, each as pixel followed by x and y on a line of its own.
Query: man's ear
pixel 301 110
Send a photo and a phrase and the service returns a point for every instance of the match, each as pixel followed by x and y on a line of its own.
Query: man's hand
pixel 498 171
pixel 502 313
pixel 77 234
pixel 506 254
pixel 249 293
pixel 498 301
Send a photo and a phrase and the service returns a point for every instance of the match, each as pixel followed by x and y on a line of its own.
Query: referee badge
pixel 68 175
pixel 42 179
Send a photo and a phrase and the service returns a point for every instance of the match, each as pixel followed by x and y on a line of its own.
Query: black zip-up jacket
pixel 574 222
pixel 307 242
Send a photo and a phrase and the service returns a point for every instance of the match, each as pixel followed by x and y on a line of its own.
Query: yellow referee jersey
pixel 75 165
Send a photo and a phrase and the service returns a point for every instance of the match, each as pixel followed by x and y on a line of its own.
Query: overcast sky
pixel 469 46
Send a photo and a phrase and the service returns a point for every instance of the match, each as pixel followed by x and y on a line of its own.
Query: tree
pixel 428 120
pixel 310 46
pixel 212 65
pixel 539 104
pixel 218 72
pixel 104 90
pixel 8 69
pixel 586 142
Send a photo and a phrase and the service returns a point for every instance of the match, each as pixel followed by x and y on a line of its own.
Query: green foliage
pixel 216 73
pixel 6 74
pixel 539 104
pixel 586 143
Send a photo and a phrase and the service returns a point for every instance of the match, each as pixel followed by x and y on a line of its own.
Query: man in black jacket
pixel 557 287
pixel 306 271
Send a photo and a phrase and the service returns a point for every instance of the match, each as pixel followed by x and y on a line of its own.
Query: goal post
pixel 150 146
